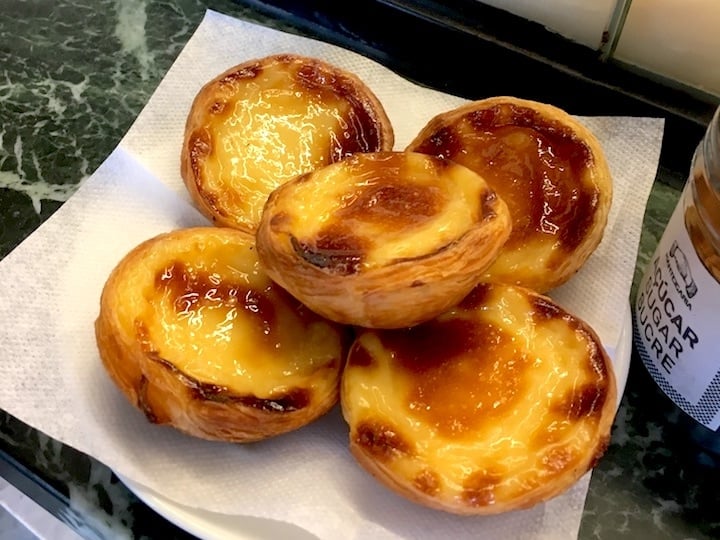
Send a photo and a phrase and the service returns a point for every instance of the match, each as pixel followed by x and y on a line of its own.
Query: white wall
pixel 582 21
pixel 679 39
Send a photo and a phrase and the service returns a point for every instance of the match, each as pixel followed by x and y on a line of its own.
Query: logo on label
pixel 683 268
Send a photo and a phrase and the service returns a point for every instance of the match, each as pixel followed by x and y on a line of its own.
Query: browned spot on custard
pixel 289 400
pixel 545 309
pixel 359 356
pixel 443 142
pixel 388 193
pixel 217 107
pixel 381 440
pixel 241 74
pixel 584 402
pixel 191 290
pixel 199 147
pixel 360 133
pixel 479 488
pixel 394 204
pixel 427 482
pixel 536 166
pixel 478 297
pixel 335 248
pixel 463 374
pixel 558 459
pixel 426 347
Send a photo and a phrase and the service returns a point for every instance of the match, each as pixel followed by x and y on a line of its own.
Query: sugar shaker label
pixel 677 325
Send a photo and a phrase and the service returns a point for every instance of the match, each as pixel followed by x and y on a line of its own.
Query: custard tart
pixel 384 239
pixel 500 403
pixel 549 169
pixel 267 120
pixel 197 337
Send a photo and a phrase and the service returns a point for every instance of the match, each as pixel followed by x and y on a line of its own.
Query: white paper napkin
pixel 52 379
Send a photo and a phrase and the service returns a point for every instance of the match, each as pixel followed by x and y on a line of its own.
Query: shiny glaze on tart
pixel 196 336
pixel 547 167
pixel 268 120
pixel 500 403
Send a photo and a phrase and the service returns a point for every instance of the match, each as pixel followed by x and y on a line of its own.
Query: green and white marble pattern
pixel 73 76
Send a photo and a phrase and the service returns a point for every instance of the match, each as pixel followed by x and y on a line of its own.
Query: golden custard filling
pixel 382 208
pixel 485 404
pixel 540 168
pixel 268 133
pixel 550 171
pixel 266 123
pixel 207 308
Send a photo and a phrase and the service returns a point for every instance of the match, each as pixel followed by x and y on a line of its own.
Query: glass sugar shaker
pixel 677 309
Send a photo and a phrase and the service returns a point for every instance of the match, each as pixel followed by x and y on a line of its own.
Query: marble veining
pixel 103 504
pixel 73 76
pixel 130 31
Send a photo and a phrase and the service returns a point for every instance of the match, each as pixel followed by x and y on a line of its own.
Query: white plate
pixel 214 526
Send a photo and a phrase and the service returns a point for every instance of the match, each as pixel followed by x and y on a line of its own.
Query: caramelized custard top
pixel 490 400
pixel 446 359
pixel 538 166
pixel 373 209
pixel 194 292
pixel 219 320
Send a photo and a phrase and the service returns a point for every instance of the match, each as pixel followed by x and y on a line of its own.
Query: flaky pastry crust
pixel 550 170
pixel 500 403
pixel 267 120
pixel 382 240
pixel 196 336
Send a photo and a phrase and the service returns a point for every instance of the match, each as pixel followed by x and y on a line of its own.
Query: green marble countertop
pixel 73 76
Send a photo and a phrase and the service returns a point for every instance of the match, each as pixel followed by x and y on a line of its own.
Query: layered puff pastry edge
pixel 382 240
